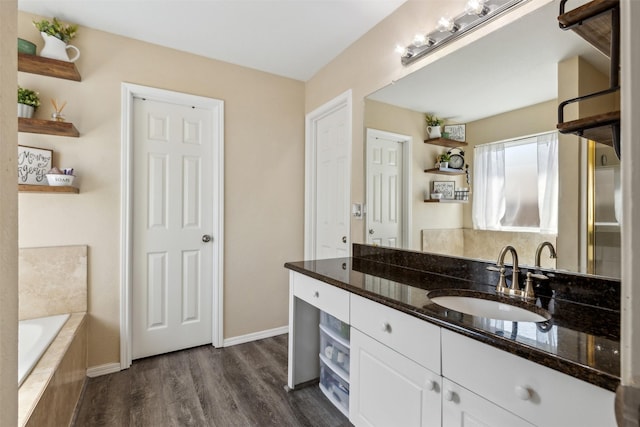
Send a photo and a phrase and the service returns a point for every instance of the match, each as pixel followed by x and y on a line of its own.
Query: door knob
pixel 344 239
pixel 206 238
pixel 371 231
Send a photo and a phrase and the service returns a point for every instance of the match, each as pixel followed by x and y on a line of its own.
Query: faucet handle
pixel 528 284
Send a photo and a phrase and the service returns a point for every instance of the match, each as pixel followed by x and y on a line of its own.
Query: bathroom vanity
pixel 414 363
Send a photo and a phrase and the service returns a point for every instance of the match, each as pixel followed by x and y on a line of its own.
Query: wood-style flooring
pixel 242 385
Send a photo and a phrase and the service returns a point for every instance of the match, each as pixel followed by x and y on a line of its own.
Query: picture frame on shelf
pixel 447 188
pixel 33 165
pixel 455 132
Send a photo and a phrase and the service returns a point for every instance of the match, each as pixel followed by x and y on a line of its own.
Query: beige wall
pixel 264 161
pixel 8 217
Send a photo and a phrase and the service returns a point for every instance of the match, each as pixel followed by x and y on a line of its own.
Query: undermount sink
pixel 490 306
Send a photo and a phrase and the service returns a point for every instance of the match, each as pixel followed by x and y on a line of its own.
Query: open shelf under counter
pixel 28 188
pixel 47 127
pixel 48 67
pixel 445 142
pixel 445 171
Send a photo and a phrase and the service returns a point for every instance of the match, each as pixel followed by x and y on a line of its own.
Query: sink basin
pixel 491 306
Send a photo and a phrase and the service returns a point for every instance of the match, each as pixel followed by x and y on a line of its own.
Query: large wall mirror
pixel 503 87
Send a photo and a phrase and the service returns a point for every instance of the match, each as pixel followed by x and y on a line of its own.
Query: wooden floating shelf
pixel 48 127
pixel 445 142
pixel 27 188
pixel 445 201
pixel 447 171
pixel 597 128
pixel 48 67
pixel 591 23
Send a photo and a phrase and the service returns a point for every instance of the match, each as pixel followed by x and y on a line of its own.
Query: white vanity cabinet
pixel 395 368
pixel 399 370
pixel 537 394
pixel 462 408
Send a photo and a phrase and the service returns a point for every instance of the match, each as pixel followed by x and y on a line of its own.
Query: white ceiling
pixel 513 67
pixel 291 38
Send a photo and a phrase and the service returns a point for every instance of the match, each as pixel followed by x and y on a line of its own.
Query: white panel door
pixel 388 389
pixel 172 223
pixel 384 192
pixel 332 185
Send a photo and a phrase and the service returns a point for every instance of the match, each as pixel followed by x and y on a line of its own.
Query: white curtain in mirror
pixel 516 184
pixel 489 192
pixel 548 182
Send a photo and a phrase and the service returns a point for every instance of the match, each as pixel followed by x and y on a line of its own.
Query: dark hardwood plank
pixel 241 385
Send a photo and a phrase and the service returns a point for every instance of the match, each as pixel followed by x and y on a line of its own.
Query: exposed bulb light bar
pixel 476 13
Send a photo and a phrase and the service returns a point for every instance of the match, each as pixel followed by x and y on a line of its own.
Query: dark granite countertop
pixel 581 339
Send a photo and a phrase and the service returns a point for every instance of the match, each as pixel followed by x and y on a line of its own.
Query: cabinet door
pixel 462 408
pixel 388 389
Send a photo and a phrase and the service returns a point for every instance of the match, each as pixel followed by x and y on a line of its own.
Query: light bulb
pixel 476 7
pixel 402 51
pixel 419 40
pixel 446 24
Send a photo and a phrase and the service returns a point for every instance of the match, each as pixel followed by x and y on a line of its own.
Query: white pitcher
pixel 57 49
pixel 433 132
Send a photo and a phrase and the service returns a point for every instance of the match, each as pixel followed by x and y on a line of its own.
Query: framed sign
pixel 455 132
pixel 447 188
pixel 33 165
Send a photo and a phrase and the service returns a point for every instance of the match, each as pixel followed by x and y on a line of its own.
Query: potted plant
pixel 444 160
pixel 433 125
pixel 56 37
pixel 28 101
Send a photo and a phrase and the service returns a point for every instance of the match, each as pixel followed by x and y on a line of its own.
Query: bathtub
pixel 34 337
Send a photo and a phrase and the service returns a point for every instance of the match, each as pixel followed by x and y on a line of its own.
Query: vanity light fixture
pixel 476 13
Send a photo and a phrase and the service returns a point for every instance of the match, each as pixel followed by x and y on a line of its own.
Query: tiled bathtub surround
pixel 53 281
pixel 49 395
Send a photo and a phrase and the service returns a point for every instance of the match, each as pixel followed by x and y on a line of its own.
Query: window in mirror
pixel 516 185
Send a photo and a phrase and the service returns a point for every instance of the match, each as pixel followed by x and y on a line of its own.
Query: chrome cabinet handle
pixel 206 238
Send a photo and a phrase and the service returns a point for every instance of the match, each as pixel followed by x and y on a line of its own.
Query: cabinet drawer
pixel 328 298
pixel 414 338
pixel 534 392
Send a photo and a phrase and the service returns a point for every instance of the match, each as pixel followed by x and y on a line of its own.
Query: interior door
pixel 172 223
pixel 332 185
pixel 384 191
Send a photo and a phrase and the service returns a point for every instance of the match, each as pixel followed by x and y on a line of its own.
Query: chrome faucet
pixel 552 252
pixel 502 287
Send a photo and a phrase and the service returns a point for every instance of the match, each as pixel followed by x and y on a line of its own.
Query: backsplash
pixel 580 288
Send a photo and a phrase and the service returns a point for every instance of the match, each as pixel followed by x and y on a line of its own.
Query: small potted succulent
pixel 56 36
pixel 434 124
pixel 442 160
pixel 28 102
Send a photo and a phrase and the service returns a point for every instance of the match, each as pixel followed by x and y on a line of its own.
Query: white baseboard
pixel 255 336
pixel 108 368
